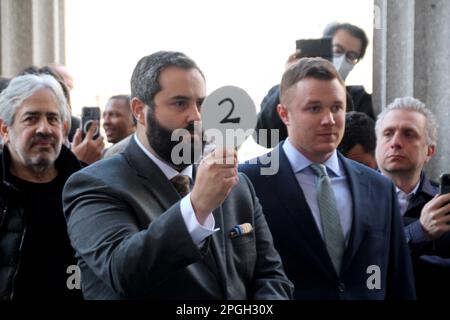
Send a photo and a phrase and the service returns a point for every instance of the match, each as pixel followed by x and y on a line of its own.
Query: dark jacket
pixel 125 222
pixel 376 236
pixel 12 219
pixel 431 261
pixel 357 100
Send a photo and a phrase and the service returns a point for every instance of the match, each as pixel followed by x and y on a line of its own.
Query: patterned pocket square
pixel 240 230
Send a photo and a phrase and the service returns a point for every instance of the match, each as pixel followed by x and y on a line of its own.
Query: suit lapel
pixel 359 189
pixel 152 177
pixel 425 193
pixel 166 195
pixel 293 202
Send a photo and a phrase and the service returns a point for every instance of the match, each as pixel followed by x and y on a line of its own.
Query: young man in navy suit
pixel 335 223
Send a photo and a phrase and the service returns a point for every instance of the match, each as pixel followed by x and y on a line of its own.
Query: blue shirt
pixel 307 180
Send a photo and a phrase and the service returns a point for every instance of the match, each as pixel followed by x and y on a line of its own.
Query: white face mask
pixel 342 66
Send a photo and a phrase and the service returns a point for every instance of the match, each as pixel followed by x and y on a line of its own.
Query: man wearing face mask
pixel 349 47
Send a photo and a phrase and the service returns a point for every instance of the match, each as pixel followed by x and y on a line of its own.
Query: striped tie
pixel 182 184
pixel 331 225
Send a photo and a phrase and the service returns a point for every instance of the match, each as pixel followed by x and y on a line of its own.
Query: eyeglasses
pixel 351 56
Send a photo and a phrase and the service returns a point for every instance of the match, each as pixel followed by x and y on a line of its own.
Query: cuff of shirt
pixel 415 233
pixel 197 231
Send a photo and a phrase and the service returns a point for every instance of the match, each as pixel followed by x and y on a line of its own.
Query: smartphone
pixel 444 183
pixel 88 115
pixel 316 48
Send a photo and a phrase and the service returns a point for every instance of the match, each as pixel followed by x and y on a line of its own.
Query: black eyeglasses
pixel 351 56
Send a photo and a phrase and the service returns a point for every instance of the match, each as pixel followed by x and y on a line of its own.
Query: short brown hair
pixel 316 68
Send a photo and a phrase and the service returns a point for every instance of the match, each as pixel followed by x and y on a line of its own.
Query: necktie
pixel 182 184
pixel 331 225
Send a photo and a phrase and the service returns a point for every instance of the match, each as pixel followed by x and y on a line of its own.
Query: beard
pixel 160 140
pixel 45 157
pixel 37 159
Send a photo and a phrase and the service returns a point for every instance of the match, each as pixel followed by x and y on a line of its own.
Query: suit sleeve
pixel 269 280
pixel 420 245
pixel 105 233
pixel 400 275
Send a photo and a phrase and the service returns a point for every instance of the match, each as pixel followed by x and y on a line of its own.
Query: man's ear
pixel 138 109
pixel 283 113
pixel 431 152
pixel 66 128
pixel 4 131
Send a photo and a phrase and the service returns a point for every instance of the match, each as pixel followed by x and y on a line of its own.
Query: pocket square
pixel 240 230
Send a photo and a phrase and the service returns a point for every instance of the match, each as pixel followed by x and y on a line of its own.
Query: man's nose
pixel 396 141
pixel 106 120
pixel 194 113
pixel 44 126
pixel 328 119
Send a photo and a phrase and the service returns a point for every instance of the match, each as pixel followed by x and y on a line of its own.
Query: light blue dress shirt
pixel 307 180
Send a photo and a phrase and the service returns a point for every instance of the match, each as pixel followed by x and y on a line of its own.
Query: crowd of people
pixel 350 214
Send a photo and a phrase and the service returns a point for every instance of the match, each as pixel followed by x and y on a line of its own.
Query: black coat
pixel 431 268
pixel 13 223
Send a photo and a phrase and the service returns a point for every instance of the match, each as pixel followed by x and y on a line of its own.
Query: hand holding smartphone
pixel 88 116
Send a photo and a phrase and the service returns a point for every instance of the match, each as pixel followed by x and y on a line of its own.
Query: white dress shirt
pixel 405 198
pixel 307 181
pixel 197 231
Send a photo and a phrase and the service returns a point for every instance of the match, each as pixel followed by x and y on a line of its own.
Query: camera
pixel 88 116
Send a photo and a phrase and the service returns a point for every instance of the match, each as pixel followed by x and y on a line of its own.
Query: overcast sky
pixel 235 42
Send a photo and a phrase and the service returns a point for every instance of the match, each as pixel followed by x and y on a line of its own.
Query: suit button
pixel 341 287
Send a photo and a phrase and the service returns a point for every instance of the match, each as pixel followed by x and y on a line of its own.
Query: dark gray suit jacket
pixel 125 224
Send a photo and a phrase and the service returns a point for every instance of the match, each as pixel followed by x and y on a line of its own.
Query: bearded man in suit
pixel 137 235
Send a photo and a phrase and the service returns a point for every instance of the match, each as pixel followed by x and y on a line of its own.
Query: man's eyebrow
pixel 313 102
pixel 410 128
pixel 37 113
pixel 180 97
pixel 342 48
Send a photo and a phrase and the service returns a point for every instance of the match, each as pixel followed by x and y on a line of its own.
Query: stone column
pixel 16 36
pixel 48 27
pixel 32 33
pixel 61 27
pixel 432 72
pixel 1 69
pixel 412 58
pixel 44 31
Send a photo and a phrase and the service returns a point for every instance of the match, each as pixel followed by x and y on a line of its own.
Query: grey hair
pixel 412 104
pixel 145 79
pixel 22 87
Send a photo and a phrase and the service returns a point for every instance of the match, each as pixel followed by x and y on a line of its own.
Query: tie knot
pixel 319 169
pixel 182 184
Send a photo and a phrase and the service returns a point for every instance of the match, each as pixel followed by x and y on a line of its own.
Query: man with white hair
pixel 406 141
pixel 34 166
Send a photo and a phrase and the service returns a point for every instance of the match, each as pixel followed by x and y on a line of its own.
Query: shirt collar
pixel 299 162
pixel 168 171
pixel 404 195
